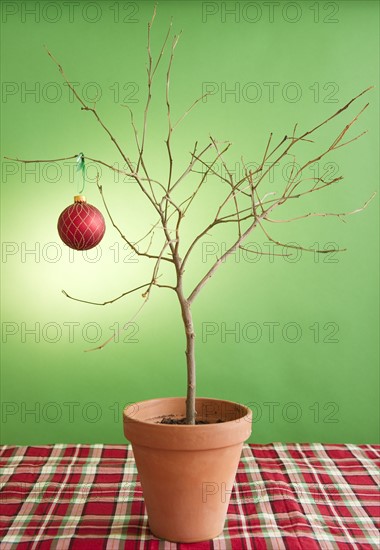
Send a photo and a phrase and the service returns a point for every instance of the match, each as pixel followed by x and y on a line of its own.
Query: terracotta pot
pixel 187 472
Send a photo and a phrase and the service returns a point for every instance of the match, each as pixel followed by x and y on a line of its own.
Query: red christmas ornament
pixel 81 226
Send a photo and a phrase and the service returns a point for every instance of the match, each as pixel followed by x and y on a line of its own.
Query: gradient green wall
pixel 297 338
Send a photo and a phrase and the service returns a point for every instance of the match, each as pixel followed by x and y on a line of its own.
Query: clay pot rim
pixel 246 413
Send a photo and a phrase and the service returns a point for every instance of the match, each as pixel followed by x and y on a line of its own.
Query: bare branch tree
pixel 162 196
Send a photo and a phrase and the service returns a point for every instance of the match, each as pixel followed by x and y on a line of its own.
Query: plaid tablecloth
pixel 290 496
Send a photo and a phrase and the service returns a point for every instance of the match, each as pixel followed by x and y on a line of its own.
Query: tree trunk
pixel 190 356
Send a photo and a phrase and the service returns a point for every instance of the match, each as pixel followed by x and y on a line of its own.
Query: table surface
pixel 291 496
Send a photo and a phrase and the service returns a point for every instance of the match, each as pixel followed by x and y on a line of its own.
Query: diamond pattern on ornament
pixel 81 226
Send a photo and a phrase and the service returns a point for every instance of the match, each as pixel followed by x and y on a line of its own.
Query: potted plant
pixel 187 449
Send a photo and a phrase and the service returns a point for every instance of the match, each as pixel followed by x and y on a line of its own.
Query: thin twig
pixel 190 109
pixel 298 247
pixel 39 160
pixel 204 176
pixel 168 107
pixel 130 244
pixel 325 214
pixel 124 327
pixel 262 253
pixel 107 301
pixel 151 72
pixel 231 183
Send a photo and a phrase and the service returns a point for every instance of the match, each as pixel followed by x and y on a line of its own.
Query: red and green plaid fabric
pixel 291 496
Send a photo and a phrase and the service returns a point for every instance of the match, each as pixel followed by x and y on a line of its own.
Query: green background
pixel 322 387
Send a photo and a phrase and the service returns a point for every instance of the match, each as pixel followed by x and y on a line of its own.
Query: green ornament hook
pixel 81 168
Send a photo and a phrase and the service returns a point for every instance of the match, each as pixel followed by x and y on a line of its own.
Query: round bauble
pixel 81 226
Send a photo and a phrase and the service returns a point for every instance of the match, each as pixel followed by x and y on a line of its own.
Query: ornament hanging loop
pixel 81 168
